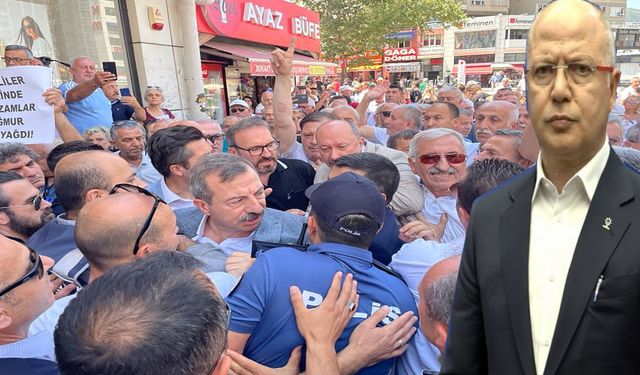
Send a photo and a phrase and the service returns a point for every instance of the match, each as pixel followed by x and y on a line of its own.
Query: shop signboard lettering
pixel 399 55
pixel 260 68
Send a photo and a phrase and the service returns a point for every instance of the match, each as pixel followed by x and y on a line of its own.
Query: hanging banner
pixel 462 71
pixel 24 115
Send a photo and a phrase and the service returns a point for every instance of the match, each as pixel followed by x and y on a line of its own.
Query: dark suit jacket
pixel 490 329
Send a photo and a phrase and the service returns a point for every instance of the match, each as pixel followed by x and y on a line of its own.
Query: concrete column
pixel 192 66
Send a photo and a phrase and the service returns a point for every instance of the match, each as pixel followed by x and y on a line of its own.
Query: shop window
pixel 475 59
pixel 431 40
pixel 476 39
pixel 514 57
pixel 516 34
pixel 405 43
pixel 616 12
pixel 65 29
pixel 477 2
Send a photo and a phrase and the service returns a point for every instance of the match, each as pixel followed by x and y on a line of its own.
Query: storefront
pixel 401 64
pixel 236 43
pixel 65 29
pixel 475 44
pixel 431 53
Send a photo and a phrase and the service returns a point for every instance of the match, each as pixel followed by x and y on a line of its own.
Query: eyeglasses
pixel 215 137
pixel 36 203
pixel 435 158
pixel 236 110
pixel 13 59
pixel 157 200
pixel 578 73
pixel 386 113
pixel 36 270
pixel 258 150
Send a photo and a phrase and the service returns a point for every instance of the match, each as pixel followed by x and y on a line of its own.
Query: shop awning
pixel 474 69
pixel 258 59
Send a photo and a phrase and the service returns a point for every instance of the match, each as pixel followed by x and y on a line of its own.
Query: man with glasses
pixel 240 108
pixel 25 293
pixel 338 138
pixel 88 106
pixel 288 178
pixel 438 157
pixel 173 152
pixel 548 282
pixel 16 55
pixel 213 132
pixel 22 209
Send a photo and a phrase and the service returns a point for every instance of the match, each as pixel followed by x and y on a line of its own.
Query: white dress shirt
pixel 39 345
pixel 435 207
pixel 229 245
pixel 556 222
pixel 173 200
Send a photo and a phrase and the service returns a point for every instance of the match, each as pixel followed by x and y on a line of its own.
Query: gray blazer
pixel 276 226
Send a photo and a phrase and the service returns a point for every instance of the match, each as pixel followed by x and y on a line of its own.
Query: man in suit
pixel 231 208
pixel 550 271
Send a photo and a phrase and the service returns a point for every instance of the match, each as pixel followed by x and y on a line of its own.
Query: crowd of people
pixel 372 228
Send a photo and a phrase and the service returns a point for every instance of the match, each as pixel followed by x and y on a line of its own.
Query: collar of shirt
pixel 228 245
pixel 61 219
pixel 589 175
pixel 342 250
pixel 172 198
pixel 39 346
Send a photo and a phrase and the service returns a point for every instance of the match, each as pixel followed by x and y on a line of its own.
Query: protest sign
pixel 25 117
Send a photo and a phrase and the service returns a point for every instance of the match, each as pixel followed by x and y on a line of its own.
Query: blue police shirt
pixel 94 110
pixel 261 305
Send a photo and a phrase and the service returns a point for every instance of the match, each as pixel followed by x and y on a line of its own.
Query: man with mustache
pixel 495 115
pixel 438 157
pixel 289 178
pixel 230 207
pixel 129 137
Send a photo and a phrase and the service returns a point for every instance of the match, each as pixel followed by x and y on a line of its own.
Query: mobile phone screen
pixel 125 92
pixel 110 66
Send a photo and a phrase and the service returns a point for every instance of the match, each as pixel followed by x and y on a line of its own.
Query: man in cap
pixel 240 108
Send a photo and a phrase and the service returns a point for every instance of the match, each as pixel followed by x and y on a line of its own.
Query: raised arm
pixel 84 89
pixel 63 125
pixel 285 128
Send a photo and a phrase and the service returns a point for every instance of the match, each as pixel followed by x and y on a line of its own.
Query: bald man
pixel 80 178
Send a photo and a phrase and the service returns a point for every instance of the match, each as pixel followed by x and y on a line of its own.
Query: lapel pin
pixel 607 223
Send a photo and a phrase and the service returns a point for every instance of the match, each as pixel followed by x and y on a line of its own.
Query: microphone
pixel 46 61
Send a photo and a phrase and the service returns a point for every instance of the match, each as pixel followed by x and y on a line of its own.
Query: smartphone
pixel 110 66
pixel 300 99
pixel 125 92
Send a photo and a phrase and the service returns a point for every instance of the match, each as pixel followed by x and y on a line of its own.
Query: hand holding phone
pixel 125 92
pixel 110 66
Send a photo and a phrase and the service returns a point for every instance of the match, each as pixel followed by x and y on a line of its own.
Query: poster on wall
pixel 27 24
pixel 476 39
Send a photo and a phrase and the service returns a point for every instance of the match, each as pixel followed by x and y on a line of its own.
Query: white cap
pixel 239 102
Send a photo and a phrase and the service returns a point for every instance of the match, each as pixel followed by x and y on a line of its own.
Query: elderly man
pixel 347 212
pixel 129 138
pixel 17 55
pixel 441 114
pixel 231 207
pixel 173 152
pixel 307 149
pixel 558 235
pixel 16 157
pixel 495 115
pixel 22 209
pixel 228 122
pixel 88 106
pixel 630 90
pixel 213 132
pixel 438 157
pixel 404 117
pixel 615 132
pixel 266 99
pixel 123 107
pixel 339 138
pixel 450 94
pixel 25 293
pixel 632 137
pixel 289 178
pixel 240 108
pixel 504 145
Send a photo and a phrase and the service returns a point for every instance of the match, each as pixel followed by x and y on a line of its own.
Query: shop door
pixel 214 95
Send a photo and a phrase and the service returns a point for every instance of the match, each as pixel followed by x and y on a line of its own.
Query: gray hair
pixel 616 120
pixel 75 60
pixel 392 142
pixel 451 88
pixel 439 298
pixel 224 166
pixel 409 112
pixel 98 129
pixel 465 112
pixel 246 123
pixel 126 124
pixel 11 151
pixel 516 135
pixel 633 134
pixel 153 88
pixel 17 47
pixel 431 134
pixel 629 156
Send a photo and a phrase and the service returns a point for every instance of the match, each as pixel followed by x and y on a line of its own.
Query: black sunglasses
pixel 215 137
pixel 36 203
pixel 236 110
pixel 157 200
pixel 386 113
pixel 36 270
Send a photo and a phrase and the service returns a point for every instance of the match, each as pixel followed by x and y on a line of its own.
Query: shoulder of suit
pixel 394 155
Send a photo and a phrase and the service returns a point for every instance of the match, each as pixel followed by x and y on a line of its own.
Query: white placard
pixel 25 117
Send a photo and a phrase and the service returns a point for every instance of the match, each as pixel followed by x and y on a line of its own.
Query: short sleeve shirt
pixel 94 110
pixel 289 181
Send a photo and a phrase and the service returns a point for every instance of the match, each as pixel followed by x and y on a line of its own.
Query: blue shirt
pixel 387 241
pixel 121 112
pixel 94 110
pixel 261 305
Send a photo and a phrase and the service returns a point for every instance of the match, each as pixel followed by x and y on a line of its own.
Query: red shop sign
pixel 400 54
pixel 265 21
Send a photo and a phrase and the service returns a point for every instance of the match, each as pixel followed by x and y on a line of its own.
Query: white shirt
pixel 435 207
pixel 472 149
pixel 381 135
pixel 556 222
pixel 229 245
pixel 174 200
pixel 39 345
pixel 295 152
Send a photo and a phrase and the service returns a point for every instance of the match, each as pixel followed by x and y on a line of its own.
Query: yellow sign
pixel 316 70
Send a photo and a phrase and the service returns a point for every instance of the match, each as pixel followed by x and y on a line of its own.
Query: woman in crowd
pixel 31 37
pixel 154 110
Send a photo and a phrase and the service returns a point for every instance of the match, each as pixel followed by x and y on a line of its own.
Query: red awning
pixel 474 69
pixel 258 59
